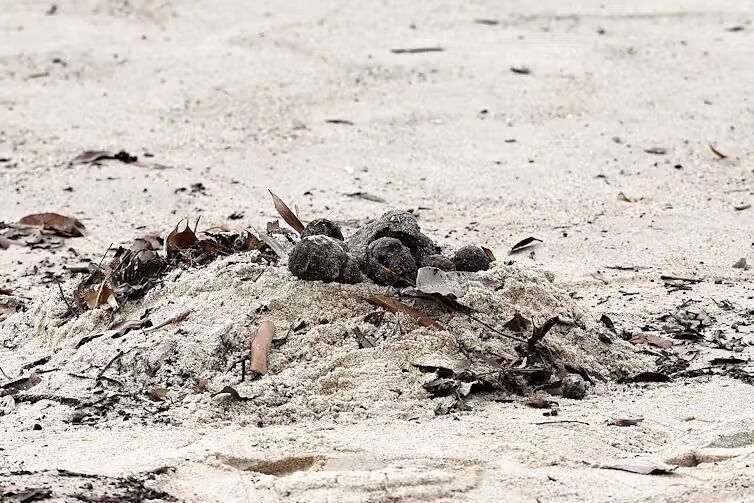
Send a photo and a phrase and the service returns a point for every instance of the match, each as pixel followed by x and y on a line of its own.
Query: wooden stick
pixel 260 347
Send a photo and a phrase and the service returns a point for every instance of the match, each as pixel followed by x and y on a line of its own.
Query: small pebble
pixel 471 259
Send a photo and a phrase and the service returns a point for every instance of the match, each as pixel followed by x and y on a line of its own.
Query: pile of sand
pixel 317 368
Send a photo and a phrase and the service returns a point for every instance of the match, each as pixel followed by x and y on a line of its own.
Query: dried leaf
pixel 232 392
pixel 364 341
pixel 741 264
pixel 540 403
pixel 517 324
pixel 653 340
pixel 103 295
pixel 525 243
pixel 272 243
pixel 339 121
pixel 22 384
pixel 273 226
pixel 605 319
pixel 285 212
pixel 717 152
pixel 157 394
pixel 623 197
pixel 489 253
pixel 203 384
pixel 433 280
pixel 625 422
pixel 656 150
pixel 396 306
pixel 367 197
pixel 182 240
pixel 116 331
pixel 417 50
pixel 91 156
pixel 55 223
pixel 642 468
pixel 520 69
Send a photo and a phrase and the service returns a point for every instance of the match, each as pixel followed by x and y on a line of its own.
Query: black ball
pixel 439 261
pixel 391 253
pixel 323 227
pixel 471 259
pixel 323 258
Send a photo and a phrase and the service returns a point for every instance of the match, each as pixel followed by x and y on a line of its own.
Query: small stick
pixel 260 347
pixel 175 319
pixel 563 421
pixel 62 295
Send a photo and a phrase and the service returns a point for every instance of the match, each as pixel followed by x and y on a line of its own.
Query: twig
pixel 101 372
pixel 562 421
pixel 665 277
pixel 62 295
pixel 104 255
pixel 175 319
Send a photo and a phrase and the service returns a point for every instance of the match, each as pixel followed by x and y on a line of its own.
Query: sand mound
pixel 317 368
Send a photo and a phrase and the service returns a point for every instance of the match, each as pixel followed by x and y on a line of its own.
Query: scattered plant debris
pixel 719 154
pixel 656 150
pixel 520 69
pixel 396 306
pixel 417 50
pixel 285 212
pixel 93 156
pixel 55 223
pixel 260 348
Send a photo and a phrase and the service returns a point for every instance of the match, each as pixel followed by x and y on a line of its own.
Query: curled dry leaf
pixel 183 239
pixel 525 243
pixel 396 306
pixel 55 223
pixel 489 253
pixel 285 212
pixel 103 295
pixel 517 324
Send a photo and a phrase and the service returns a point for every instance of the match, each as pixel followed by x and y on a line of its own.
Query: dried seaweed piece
pixel 525 243
pixel 366 196
pixel 605 320
pixel 285 212
pixel 396 306
pixel 520 69
pixel 55 223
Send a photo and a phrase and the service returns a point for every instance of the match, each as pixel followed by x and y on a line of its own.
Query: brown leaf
pixel 396 306
pixel 273 226
pixel 232 392
pixel 717 152
pixel 203 384
pixel 489 253
pixel 285 212
pixel 623 197
pixel 253 242
pixel 22 384
pixel 157 394
pixel 272 243
pixel 182 240
pixel 525 243
pixel 101 296
pixel 653 340
pixel 55 223
pixel 625 422
pixel 540 403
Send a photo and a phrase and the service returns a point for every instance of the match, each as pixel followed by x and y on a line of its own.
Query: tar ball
pixel 322 258
pixel 471 259
pixel 573 386
pixel 439 261
pixel 323 227
pixel 392 254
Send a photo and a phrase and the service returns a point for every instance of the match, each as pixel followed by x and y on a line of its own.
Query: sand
pixel 237 97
